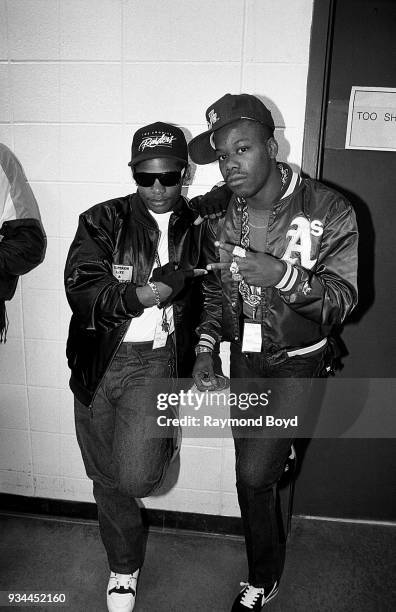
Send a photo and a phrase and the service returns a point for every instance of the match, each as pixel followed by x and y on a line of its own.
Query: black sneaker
pixel 253 598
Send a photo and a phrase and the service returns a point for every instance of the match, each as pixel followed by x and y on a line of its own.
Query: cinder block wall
pixel 77 78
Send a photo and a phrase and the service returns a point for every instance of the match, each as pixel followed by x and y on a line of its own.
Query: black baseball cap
pixel 228 109
pixel 158 140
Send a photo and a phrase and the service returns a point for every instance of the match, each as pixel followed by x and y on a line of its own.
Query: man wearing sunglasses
pixel 131 283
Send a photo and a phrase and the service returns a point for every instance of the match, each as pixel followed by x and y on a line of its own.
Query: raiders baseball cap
pixel 158 140
pixel 228 109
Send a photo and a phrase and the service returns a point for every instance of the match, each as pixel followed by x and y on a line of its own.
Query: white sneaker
pixel 121 592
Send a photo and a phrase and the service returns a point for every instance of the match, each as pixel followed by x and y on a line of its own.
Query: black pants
pixel 260 460
pixel 122 452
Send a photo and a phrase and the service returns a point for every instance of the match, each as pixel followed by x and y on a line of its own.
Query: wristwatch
pixel 202 349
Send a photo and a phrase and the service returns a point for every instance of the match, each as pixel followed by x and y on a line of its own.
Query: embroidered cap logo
pixel 162 140
pixel 213 118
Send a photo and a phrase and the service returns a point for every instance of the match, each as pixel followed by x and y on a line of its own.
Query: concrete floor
pixel 330 567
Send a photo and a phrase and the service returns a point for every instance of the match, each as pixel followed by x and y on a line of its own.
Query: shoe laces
pixel 125 581
pixel 250 595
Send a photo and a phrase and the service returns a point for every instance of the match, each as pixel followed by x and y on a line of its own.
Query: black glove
pixel 213 203
pixel 175 279
pixel 161 271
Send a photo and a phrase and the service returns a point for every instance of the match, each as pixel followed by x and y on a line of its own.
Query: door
pixel 354 477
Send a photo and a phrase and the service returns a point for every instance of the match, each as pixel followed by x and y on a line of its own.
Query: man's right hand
pixel 146 296
pixel 176 279
pixel 203 373
pixel 170 285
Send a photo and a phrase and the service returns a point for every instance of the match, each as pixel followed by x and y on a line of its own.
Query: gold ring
pixel 239 251
pixel 234 268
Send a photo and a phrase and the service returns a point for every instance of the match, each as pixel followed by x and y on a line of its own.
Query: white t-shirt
pixel 142 328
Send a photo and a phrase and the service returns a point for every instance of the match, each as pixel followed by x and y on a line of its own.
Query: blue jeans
pixel 120 453
pixel 260 461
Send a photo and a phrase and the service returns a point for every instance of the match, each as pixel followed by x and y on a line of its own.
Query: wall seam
pixel 10 97
pixel 243 45
pixel 122 69
pixel 23 346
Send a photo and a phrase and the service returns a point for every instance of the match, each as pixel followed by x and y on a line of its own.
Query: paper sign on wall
pixel 372 119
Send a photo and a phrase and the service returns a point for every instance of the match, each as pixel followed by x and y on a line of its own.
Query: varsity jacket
pixel 22 238
pixel 313 229
pixel 121 232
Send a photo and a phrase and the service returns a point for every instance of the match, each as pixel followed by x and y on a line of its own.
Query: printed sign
pixel 372 119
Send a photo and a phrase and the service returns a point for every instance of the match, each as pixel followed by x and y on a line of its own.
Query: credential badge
pixel 122 273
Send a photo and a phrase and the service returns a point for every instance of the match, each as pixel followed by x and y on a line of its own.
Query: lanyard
pixel 165 322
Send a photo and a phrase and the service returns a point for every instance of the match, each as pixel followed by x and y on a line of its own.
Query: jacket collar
pixel 294 186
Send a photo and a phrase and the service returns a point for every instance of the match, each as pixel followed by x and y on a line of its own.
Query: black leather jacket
pixel 121 231
pixel 314 229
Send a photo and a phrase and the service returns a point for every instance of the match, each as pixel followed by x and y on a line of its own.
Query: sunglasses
pixel 167 179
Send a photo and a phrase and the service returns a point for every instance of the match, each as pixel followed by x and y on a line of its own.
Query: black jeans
pixel 260 461
pixel 120 453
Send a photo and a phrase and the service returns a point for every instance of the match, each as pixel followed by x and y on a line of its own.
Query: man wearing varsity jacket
pixel 22 239
pixel 287 279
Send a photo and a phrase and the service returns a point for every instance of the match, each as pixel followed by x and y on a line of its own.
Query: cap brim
pixel 201 150
pixel 200 147
pixel 144 157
